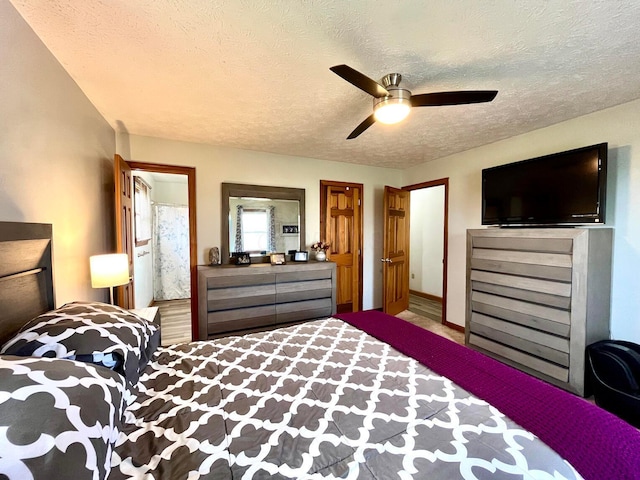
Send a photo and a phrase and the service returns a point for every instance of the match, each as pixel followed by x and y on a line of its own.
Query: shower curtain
pixel 171 252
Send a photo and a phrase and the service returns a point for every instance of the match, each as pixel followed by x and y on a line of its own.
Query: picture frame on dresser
pixel 278 259
pixel 300 256
pixel 241 258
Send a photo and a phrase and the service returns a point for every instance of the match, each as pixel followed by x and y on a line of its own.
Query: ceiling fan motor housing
pixel 396 95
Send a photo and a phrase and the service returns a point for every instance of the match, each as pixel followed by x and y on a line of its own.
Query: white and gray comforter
pixel 318 400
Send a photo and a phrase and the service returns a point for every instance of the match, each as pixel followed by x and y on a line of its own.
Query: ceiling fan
pixel 392 104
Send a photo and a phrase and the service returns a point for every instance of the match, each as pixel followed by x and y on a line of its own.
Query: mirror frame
pixel 257 191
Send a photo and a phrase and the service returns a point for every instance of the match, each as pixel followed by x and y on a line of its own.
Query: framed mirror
pixel 261 220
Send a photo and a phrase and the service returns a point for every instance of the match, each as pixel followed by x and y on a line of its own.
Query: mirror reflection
pixel 260 220
pixel 263 225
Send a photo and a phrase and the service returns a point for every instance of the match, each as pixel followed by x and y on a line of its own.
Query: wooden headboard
pixel 26 274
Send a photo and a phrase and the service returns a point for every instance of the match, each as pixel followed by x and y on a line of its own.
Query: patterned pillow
pixel 95 332
pixel 58 418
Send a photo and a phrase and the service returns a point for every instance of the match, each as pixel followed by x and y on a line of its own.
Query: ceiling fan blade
pixel 370 120
pixel 360 80
pixel 452 98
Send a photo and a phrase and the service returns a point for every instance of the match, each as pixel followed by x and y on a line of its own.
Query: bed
pixel 361 395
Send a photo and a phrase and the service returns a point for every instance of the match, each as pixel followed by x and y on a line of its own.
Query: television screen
pixel 562 188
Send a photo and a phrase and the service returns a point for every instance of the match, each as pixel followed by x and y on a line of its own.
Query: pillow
pixel 90 331
pixel 58 418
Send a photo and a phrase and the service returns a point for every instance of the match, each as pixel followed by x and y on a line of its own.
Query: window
pixel 255 230
pixel 141 211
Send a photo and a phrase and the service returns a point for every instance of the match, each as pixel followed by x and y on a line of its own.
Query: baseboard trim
pixel 454 326
pixel 428 296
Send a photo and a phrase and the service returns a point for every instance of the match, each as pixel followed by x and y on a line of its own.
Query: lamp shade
pixel 109 270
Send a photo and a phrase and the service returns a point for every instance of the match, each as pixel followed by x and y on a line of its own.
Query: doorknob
pixel 386 260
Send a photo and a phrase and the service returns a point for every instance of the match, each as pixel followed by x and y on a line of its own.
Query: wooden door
pixel 124 225
pixel 396 250
pixel 341 227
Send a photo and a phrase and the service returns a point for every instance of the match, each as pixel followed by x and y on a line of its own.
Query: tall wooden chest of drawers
pixel 234 298
pixel 536 297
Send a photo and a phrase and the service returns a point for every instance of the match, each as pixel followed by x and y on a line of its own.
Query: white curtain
pixel 171 252
pixel 271 216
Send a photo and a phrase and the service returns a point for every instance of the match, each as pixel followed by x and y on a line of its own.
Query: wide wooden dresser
pixel 536 297
pixel 232 298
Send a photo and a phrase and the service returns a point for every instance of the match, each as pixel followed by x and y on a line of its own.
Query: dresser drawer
pixel 240 318
pixel 535 342
pixel 308 309
pixel 308 290
pixel 539 244
pixel 241 279
pixel 521 359
pixel 239 297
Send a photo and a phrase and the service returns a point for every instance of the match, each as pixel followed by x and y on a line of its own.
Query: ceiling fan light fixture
pixel 392 109
pixel 392 112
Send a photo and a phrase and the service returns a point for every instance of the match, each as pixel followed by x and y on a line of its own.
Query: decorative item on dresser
pixel 214 256
pixel 278 259
pixel 320 248
pixel 262 296
pixel 536 297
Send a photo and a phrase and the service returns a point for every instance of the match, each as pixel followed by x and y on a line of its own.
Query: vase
pixel 321 256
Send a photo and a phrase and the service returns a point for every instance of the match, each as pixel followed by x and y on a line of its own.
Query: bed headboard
pixel 26 274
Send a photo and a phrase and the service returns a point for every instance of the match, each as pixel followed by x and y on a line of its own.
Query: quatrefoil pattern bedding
pixel 58 418
pixel 318 400
pixel 91 332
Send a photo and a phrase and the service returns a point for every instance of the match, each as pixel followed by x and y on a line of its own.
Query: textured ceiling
pixel 254 74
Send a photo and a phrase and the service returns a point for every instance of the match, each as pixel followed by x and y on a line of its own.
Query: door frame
pixel 445 253
pixel 324 184
pixel 190 172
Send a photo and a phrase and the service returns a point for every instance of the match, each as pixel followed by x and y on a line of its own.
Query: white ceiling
pixel 254 74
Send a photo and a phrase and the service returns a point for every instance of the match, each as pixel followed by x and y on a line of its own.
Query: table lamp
pixel 109 270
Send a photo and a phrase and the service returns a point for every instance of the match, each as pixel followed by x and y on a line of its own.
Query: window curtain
pixel 239 210
pixel 171 252
pixel 271 212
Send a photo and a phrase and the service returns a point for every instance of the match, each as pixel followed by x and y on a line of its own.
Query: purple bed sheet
pixel 598 444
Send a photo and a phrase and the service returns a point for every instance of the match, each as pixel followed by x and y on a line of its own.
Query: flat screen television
pixel 561 188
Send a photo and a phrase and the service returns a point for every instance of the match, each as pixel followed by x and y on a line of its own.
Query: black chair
pixel 613 368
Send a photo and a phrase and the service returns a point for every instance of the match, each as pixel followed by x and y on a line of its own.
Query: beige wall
pixel 620 126
pixel 56 154
pixel 215 165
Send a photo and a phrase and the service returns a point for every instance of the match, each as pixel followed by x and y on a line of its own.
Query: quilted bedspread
pixel 318 400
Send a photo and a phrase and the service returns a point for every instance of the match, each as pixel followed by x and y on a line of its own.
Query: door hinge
pixel 359 202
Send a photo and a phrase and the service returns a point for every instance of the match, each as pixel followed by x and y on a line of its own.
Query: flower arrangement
pixel 320 246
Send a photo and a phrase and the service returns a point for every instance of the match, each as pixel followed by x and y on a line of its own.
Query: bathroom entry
pixel 175 323
pixel 161 253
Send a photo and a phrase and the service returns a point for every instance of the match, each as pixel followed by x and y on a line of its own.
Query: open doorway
pixel 428 246
pixel 162 252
